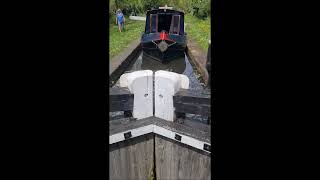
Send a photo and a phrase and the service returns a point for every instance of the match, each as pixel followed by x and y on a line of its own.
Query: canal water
pixel 180 65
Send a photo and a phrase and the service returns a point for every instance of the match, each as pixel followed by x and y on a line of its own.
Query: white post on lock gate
pixel 140 83
pixel 166 85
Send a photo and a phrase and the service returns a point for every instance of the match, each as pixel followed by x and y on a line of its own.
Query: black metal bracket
pixel 207 147
pixel 127 113
pixel 177 137
pixel 127 135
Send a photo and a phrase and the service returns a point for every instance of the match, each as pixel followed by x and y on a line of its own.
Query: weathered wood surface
pixel 193 96
pixel 193 102
pixel 132 159
pixel 120 99
pixel 189 128
pixel 204 110
pixel 126 124
pixel 175 160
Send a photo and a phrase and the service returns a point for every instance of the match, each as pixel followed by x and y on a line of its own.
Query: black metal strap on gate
pixel 127 135
pixel 207 147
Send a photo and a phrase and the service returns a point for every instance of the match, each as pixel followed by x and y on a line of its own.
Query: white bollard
pixel 140 83
pixel 166 85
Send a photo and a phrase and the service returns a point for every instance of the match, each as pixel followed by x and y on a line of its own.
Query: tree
pixel 112 7
pixel 199 8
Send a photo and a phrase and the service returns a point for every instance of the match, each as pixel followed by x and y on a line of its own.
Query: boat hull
pixel 164 57
pixel 176 47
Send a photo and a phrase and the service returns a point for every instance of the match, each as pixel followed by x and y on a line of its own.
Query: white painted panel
pixel 166 85
pixel 163 132
pixel 192 142
pixel 184 139
pixel 134 132
pixel 160 131
pixel 116 138
pixel 140 83
pixel 142 130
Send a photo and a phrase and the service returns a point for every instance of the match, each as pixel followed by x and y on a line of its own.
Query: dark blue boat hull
pixel 177 45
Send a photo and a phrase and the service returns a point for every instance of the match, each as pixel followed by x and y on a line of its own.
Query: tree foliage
pixel 112 7
pixel 198 8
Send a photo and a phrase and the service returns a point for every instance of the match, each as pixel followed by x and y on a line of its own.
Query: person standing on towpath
pixel 120 20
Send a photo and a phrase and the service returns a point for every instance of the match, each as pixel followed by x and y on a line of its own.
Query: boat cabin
pixel 164 38
pixel 167 20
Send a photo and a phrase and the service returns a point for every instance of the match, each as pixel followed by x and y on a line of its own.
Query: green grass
pixel 119 41
pixel 196 28
pixel 199 30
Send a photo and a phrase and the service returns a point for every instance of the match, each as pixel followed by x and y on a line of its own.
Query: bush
pixel 130 6
pixel 199 8
pixel 112 7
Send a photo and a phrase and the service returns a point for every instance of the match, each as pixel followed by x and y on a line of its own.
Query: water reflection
pixel 144 62
pixel 180 65
pixel 177 65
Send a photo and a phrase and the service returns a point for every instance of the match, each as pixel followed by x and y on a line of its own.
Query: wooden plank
pixel 189 128
pixel 132 159
pixel 204 110
pixel 121 105
pixel 118 91
pixel 193 102
pixel 175 160
pixel 120 99
pixel 192 96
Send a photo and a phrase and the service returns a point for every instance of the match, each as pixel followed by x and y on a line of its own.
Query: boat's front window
pixel 164 22
pixel 153 23
pixel 175 24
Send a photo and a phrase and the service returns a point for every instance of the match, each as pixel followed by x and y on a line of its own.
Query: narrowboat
pixel 164 38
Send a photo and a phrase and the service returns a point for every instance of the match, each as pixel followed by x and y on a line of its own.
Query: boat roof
pixel 165 11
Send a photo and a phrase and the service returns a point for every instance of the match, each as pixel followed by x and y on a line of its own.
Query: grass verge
pixel 199 30
pixel 119 41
